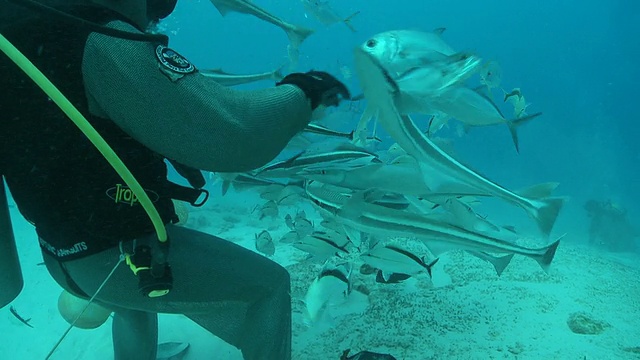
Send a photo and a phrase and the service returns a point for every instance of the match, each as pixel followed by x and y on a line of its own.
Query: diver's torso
pixel 59 180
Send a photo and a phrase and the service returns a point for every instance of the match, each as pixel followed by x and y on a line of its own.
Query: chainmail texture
pixel 193 120
pixel 236 294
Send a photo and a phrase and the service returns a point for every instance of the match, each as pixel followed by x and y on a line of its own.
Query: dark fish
pixel 22 320
pixel 365 355
pixel 392 278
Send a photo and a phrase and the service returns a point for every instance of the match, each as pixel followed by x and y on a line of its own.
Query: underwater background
pixel 576 61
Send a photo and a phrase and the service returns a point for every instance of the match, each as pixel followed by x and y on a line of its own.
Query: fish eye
pixel 371 43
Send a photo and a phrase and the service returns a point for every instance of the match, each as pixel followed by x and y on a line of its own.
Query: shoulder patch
pixel 172 61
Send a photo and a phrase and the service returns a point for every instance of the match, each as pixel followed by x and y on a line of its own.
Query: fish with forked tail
pixel 264 243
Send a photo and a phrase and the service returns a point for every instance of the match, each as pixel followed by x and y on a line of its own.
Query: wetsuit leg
pixel 135 332
pixel 236 294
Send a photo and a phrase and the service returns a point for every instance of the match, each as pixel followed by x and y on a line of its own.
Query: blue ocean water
pixel 575 61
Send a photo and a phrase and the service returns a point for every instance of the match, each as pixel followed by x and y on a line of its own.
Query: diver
pixel 151 105
pixel 610 227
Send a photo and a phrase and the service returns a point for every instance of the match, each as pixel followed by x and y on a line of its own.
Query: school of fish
pixel 374 203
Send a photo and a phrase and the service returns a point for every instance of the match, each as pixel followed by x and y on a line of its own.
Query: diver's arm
pixel 194 120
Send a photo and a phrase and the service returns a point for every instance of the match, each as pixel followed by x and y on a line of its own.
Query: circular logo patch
pixel 173 61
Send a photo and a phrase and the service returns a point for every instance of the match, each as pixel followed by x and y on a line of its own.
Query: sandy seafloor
pixel 466 312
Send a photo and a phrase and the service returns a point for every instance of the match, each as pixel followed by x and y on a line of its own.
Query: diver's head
pixel 142 12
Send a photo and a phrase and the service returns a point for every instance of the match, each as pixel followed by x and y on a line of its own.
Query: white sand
pixel 473 314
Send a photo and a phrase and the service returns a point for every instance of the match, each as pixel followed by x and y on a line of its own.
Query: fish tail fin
pixel 351 135
pixel 225 186
pixel 515 124
pixel 547 213
pixel 298 34
pixel 501 263
pixel 428 266
pixel 347 21
pixel 277 74
pixel 545 259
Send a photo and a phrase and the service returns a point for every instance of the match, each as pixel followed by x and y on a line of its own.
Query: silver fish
pixel 491 76
pixel 296 34
pixel 241 182
pixel 475 109
pixel 438 235
pixel 333 283
pixel 269 209
pixel 302 225
pixel 341 154
pixel 322 130
pixel 399 50
pixel 320 247
pixel 290 237
pixel 290 195
pixel 228 79
pixel 394 259
pixel 272 192
pixel 417 63
pixel 401 178
pixel 288 220
pixel 264 243
pixel 442 172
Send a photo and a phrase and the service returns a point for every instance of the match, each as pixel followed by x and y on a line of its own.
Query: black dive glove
pixel 320 87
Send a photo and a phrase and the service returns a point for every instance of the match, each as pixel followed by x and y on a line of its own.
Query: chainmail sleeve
pixel 194 120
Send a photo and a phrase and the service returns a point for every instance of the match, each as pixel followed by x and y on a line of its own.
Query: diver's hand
pixel 320 87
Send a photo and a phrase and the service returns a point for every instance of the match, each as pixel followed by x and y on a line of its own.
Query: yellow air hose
pixel 89 131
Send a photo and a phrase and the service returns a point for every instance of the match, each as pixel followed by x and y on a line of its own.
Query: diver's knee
pixel 283 276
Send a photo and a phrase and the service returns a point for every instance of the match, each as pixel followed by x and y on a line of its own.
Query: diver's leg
pixel 267 330
pixel 236 294
pixel 135 335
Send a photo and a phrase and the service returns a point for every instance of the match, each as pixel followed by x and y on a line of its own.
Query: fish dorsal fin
pixel 439 31
pixel 222 8
pixel 353 235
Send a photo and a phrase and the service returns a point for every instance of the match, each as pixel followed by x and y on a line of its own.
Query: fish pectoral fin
pixel 439 31
pixel 386 275
pixel 354 236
